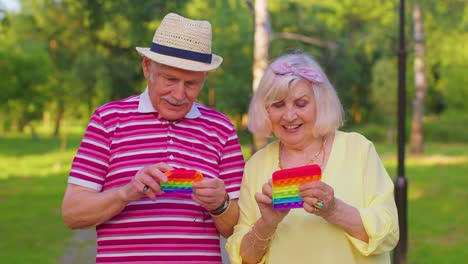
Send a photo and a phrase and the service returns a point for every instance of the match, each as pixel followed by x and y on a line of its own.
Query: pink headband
pixel 287 69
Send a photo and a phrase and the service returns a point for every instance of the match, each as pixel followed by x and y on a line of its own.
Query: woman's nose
pixel 290 114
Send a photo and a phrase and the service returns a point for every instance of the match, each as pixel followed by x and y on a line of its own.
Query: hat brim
pixel 176 62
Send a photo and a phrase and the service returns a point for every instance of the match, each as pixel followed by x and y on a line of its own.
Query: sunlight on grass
pixel 415 193
pixel 426 160
pixel 37 165
pixel 436 160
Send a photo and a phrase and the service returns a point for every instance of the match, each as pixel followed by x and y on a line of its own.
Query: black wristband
pixel 222 208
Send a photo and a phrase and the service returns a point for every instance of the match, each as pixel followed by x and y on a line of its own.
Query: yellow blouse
pixel 358 177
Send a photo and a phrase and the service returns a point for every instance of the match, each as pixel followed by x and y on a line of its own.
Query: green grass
pixel 34 174
pixel 437 220
pixel 32 182
pixel 437 213
pixel 31 225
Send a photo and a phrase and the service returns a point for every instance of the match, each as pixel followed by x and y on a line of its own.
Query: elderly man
pixel 116 175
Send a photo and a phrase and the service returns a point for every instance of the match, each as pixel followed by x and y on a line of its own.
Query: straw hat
pixel 183 43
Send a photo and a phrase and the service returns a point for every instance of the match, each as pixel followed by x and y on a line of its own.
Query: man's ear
pixel 146 65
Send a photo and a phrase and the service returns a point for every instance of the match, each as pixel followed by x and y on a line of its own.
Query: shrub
pixel 447 127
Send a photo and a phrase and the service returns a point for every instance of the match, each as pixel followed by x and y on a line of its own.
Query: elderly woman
pixel 349 216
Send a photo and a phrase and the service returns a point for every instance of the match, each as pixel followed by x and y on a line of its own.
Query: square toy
pixel 180 180
pixel 286 185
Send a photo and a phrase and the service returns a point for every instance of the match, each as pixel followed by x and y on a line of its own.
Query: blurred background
pixel 61 59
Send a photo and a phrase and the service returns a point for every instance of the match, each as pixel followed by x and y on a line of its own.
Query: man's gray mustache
pixel 174 101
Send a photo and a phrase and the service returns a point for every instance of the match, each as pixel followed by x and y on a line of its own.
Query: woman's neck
pixel 294 156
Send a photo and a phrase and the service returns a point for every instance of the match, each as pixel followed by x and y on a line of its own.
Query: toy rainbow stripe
pixel 180 180
pixel 286 185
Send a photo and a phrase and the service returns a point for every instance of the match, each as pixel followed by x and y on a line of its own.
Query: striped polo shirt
pixel 124 136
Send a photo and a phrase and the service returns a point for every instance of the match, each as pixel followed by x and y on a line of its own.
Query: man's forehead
pixel 169 70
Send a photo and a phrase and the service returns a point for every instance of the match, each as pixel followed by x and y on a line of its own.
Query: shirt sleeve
pixel 379 214
pixel 231 165
pixel 249 212
pixel 91 161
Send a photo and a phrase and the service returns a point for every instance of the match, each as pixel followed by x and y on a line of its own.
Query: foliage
pixel 232 39
pixel 25 73
pixel 447 127
pixel 384 85
pixel 86 52
pixel 373 132
pixel 446 34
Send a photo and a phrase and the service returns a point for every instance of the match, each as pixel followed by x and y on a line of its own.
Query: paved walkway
pixel 82 248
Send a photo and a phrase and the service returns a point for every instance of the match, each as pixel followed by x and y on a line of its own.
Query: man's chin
pixel 173 116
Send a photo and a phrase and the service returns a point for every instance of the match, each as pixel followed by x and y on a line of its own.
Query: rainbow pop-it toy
pixel 180 180
pixel 286 185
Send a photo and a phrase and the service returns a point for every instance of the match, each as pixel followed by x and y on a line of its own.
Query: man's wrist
pixel 223 207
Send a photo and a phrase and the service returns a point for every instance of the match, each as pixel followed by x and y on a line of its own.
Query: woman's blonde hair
pixel 274 87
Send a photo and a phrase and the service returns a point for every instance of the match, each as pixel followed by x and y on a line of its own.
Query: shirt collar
pixel 145 106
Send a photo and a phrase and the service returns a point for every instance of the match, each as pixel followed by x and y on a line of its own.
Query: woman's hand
pixel 319 198
pixel 270 216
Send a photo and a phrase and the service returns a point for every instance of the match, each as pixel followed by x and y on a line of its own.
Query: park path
pixel 82 248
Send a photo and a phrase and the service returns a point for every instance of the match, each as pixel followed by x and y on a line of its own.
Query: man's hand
pixel 146 182
pixel 209 193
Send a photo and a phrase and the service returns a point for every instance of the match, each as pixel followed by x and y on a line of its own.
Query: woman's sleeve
pixel 379 213
pixel 249 212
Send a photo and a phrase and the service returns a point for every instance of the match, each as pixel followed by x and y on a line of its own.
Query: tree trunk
pixel 2 123
pixel 211 96
pixel 34 135
pixel 417 129
pixel 21 124
pixel 260 52
pixel 59 117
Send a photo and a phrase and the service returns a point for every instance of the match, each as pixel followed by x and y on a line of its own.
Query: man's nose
pixel 179 92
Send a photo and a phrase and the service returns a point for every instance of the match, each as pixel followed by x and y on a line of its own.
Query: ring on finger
pixel 145 188
pixel 319 204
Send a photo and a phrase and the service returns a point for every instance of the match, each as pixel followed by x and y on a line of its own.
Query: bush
pixel 449 127
pixel 373 132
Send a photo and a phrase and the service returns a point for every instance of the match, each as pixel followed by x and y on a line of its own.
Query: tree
pixel 260 54
pixel 25 68
pixel 446 36
pixel 90 46
pixel 417 130
pixel 228 88
pixel 384 85
pixel 264 34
